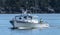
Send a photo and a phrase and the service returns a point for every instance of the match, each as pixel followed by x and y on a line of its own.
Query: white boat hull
pixel 29 25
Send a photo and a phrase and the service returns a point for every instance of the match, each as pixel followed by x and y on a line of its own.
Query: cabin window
pixel 20 18
pixel 25 17
pixel 30 17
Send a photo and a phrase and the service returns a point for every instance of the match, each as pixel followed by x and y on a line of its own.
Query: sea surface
pixel 52 19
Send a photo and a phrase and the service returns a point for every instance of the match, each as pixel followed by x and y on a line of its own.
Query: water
pixel 53 19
